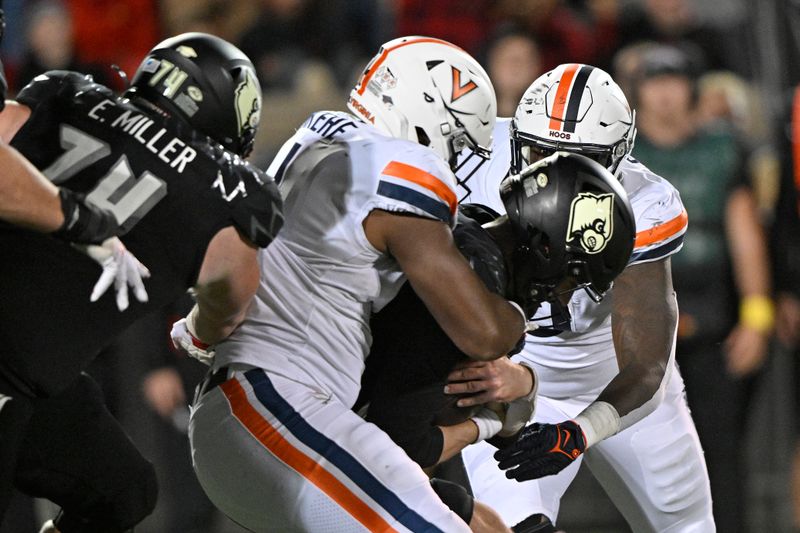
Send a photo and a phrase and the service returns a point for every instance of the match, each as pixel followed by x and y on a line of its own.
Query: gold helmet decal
pixel 248 102
pixel 591 219
pixel 186 51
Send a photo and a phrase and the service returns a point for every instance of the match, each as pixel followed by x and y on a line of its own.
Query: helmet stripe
pixel 368 75
pixel 575 97
pixel 557 113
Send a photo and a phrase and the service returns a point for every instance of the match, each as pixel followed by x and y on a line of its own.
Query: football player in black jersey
pixel 167 161
pixel 411 359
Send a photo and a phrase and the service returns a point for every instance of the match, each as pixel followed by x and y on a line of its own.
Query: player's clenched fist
pixel 542 450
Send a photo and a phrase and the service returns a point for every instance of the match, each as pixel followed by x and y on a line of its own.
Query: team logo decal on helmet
pixel 428 91
pixel 591 219
pixel 186 51
pixel 460 90
pixel 248 103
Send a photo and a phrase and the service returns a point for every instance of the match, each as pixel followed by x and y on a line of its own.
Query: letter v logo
pixel 460 90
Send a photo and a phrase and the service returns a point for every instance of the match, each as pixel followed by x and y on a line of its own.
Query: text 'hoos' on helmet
pixel 428 91
pixel 574 108
pixel 572 221
pixel 207 82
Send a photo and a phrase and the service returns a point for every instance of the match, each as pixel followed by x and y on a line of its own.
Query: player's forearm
pixel 644 353
pixel 212 323
pixel 750 261
pixel 227 281
pixel 635 386
pixel 27 198
pixel 504 325
pixel 643 328
pixel 456 438
pixel 747 245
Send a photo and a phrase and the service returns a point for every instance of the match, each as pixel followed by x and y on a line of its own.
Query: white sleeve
pixel 661 222
pixel 421 186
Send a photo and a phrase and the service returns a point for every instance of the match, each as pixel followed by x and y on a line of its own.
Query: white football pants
pixel 278 455
pixel 653 471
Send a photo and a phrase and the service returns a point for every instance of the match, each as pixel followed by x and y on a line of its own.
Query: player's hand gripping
pixel 542 450
pixel 120 267
pixel 500 380
pixel 185 340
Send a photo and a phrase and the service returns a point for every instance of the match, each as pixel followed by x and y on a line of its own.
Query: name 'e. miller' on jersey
pixel 321 278
pixel 171 189
pixel 581 357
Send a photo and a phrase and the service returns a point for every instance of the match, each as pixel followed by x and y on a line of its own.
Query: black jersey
pixel 171 190
pixel 411 356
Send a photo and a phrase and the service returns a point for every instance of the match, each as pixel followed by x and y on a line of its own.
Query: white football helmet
pixel 428 91
pixel 574 108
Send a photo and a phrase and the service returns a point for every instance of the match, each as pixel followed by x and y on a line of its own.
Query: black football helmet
pixel 571 219
pixel 207 82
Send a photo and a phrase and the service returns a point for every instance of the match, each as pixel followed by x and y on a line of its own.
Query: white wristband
pixel 529 326
pixel 598 421
pixel 488 422
pixel 521 312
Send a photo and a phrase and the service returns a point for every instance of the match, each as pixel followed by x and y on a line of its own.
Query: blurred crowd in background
pixel 713 85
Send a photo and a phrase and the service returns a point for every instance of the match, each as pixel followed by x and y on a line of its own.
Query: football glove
pixel 185 340
pixel 542 450
pixel 120 267
pixel 84 222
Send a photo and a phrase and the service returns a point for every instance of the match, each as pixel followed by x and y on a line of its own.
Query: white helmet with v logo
pixel 429 91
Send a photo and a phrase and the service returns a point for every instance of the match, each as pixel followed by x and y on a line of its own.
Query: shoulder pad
pixel 52 84
pixel 661 220
pixel 257 210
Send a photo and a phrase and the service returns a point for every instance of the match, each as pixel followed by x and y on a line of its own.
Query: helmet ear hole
pixel 540 243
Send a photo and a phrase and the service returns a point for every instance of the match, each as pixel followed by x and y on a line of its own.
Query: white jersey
pixel 321 278
pixel 580 361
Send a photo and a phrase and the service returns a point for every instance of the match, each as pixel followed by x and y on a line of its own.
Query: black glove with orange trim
pixel 542 450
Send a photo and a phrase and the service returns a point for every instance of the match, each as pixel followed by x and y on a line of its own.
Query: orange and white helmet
pixel 428 91
pixel 573 108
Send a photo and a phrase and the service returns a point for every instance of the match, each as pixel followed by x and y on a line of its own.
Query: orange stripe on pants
pixel 304 465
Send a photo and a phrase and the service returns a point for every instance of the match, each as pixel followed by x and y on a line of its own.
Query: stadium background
pixel 309 52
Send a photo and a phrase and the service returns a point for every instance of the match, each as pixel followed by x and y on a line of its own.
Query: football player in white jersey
pixel 609 390
pixel 369 202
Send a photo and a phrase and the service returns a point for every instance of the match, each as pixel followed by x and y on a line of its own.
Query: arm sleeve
pixel 258 216
pixel 661 222
pixel 421 186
